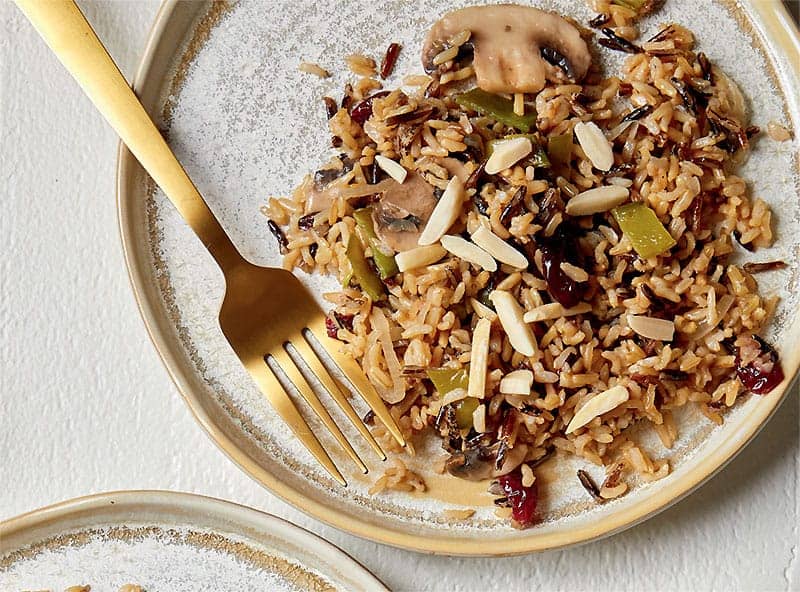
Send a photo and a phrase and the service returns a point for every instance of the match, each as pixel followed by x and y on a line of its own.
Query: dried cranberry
pixel 523 499
pixel 362 110
pixel 563 288
pixel 762 374
pixel 331 327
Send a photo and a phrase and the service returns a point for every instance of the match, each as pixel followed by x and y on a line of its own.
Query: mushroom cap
pixel 402 212
pixel 508 40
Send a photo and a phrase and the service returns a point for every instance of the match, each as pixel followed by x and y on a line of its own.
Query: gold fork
pixel 264 309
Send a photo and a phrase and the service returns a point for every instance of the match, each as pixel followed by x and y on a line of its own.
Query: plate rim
pixel 122 501
pixel 782 30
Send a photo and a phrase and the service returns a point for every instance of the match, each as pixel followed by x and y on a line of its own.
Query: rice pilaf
pixel 581 281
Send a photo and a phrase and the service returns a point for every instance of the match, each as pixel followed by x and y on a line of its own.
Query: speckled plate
pixel 223 81
pixel 169 542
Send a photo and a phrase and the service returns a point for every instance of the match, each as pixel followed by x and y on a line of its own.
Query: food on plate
pixel 535 255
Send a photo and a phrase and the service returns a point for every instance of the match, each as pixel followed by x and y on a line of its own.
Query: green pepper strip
pixel 362 272
pixel 559 148
pixel 538 159
pixel 643 228
pixel 448 379
pixel 495 106
pixel 386 264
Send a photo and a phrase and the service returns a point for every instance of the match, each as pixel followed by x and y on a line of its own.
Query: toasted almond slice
pixel 456 394
pixel 498 248
pixel 510 313
pixel 548 312
pixel 517 382
pixel 444 214
pixel 394 169
pixel 528 478
pixel 483 311
pixel 574 272
pixel 652 328
pixel 469 252
pixel 419 257
pixel 478 359
pixel 598 405
pixel 595 145
pixel 479 418
pixel 599 199
pixel 507 153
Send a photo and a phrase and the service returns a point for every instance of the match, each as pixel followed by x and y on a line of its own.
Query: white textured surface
pixel 86 405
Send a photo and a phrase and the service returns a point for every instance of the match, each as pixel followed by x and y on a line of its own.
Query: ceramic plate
pixel 223 82
pixel 171 542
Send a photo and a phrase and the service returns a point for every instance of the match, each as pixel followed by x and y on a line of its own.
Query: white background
pixel 86 405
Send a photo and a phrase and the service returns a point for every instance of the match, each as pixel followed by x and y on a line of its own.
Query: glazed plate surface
pixel 170 542
pixel 223 82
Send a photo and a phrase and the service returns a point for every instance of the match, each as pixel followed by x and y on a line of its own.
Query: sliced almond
pixel 498 248
pixel 478 359
pixel 652 328
pixel 517 382
pixel 469 252
pixel 510 313
pixel 479 418
pixel 419 257
pixel 483 311
pixel 507 153
pixel 457 394
pixel 574 272
pixel 598 405
pixel 444 214
pixel 599 199
pixel 394 169
pixel 549 312
pixel 595 145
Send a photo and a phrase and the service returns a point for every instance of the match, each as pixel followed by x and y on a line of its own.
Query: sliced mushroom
pixel 477 464
pixel 516 47
pixel 402 212
pixel 323 189
pixel 455 167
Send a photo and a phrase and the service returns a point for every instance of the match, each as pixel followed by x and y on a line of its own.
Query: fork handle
pixel 72 39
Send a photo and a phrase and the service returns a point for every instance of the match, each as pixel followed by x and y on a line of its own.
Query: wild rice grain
pixel 315 69
pixel 778 132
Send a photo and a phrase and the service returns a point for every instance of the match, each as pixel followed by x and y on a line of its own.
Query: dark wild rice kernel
pixel 752 130
pixel 345 321
pixel 306 222
pixel 766 266
pixel 617 43
pixel 514 207
pixel 390 59
pixel 278 234
pixel 330 107
pixel 637 114
pixel 705 67
pixel 600 20
pixel 369 417
pixel 312 250
pixel 738 236
pixel 675 375
pixel 557 59
pixel 589 484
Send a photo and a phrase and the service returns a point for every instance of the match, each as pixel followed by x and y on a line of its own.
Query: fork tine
pixel 355 375
pixel 263 375
pixel 286 363
pixel 333 387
